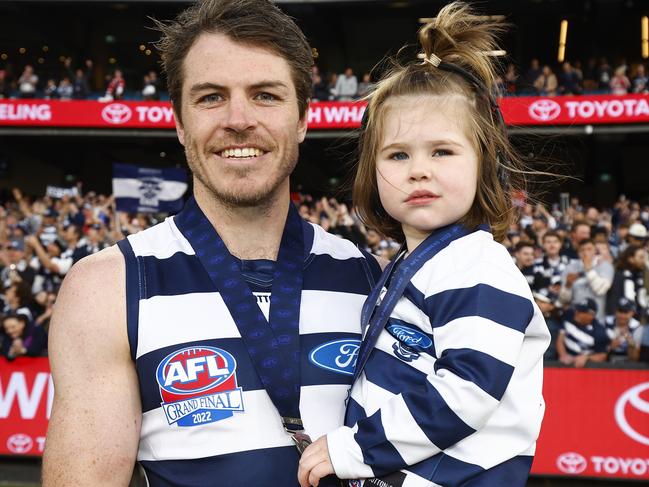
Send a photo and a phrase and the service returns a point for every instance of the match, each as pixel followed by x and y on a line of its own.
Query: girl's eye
pixel 441 152
pixel 399 156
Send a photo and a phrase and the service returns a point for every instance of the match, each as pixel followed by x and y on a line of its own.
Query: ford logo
pixel 412 338
pixel 195 369
pixel 337 356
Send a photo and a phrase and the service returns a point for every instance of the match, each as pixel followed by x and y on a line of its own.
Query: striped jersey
pixel 206 418
pixel 451 392
pixel 580 339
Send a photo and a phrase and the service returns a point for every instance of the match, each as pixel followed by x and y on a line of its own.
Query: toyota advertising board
pixel 596 422
pixel 519 111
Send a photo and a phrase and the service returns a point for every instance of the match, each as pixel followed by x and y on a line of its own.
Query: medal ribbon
pixel 274 344
pixel 401 275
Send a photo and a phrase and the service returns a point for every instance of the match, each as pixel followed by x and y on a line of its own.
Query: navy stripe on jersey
pixel 488 373
pixel 377 450
pixel 184 274
pixel 247 377
pixel 482 300
pixel 446 470
pixel 132 289
pixel 438 422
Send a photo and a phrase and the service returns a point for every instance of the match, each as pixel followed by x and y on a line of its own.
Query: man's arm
pixel 94 428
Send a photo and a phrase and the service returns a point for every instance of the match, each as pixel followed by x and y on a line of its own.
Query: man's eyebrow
pixel 199 87
pixel 207 86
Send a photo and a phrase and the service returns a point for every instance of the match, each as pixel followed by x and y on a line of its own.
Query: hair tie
pixel 433 59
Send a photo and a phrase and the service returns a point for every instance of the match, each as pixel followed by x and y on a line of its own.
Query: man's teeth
pixel 245 152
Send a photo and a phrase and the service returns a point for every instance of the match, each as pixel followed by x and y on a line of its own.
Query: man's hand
pixel 581 361
pixel 32 241
pixel 315 463
pixel 566 359
pixel 571 277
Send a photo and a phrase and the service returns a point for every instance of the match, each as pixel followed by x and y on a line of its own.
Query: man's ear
pixel 302 125
pixel 180 131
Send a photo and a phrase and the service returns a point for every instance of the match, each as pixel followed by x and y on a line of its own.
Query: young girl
pixel 448 379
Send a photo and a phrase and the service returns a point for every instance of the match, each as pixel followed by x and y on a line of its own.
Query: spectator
pixel 22 339
pixel 552 263
pixel 588 277
pixel 533 73
pixel 582 338
pixel 637 235
pixel 511 80
pixel 524 254
pixel 80 79
pixel 603 75
pixel 318 86
pixel 620 84
pixel 640 80
pixel 4 84
pixel 151 88
pixel 621 328
pixel 50 90
pixel 65 90
pixel 27 82
pixel 628 282
pixel 331 86
pixel 346 86
pixel 48 264
pixel 16 267
pixel 569 80
pixel 580 231
pixel 365 87
pixel 546 84
pixel 18 299
pixel 547 302
pixel 116 88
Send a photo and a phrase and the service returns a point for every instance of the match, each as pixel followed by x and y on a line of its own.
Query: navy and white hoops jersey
pixel 207 420
pixel 451 392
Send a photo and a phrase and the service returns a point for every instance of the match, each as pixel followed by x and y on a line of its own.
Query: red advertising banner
pixel 596 424
pixel 522 111
pixel 26 394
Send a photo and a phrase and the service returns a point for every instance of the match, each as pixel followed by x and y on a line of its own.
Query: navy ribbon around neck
pixel 273 344
pixel 374 318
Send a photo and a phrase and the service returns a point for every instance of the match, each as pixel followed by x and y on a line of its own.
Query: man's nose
pixel 240 115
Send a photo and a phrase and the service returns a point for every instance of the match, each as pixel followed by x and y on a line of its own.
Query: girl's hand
pixel 315 463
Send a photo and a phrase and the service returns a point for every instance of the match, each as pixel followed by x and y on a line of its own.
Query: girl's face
pixel 426 166
pixel 13 328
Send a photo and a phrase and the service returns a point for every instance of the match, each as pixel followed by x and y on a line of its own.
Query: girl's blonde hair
pixel 459 38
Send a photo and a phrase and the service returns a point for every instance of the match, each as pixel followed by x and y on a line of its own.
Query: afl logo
pixel 571 463
pixel 116 113
pixel 412 338
pixel 193 370
pixel 337 356
pixel 544 110
pixel 632 413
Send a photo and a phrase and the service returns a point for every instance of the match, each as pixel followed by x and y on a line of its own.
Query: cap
pixel 638 230
pixel 555 280
pixel 545 295
pixel 16 245
pixel 586 305
pixel 625 305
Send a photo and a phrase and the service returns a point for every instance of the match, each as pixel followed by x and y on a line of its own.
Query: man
pixel 621 329
pixel 346 86
pixel 552 263
pixel 580 231
pixel 582 338
pixel 588 277
pixel 524 254
pixel 221 390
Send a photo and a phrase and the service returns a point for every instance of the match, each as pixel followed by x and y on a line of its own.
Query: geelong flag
pixel 148 189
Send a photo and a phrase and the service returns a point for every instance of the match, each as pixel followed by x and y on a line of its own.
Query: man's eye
pixel 398 156
pixel 211 98
pixel 266 96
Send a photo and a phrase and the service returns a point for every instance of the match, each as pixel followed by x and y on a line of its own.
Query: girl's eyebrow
pixel 434 142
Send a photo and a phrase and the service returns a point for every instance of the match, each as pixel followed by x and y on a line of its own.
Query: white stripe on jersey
pixel 161 241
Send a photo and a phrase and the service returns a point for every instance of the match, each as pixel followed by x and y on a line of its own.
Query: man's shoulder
pixel 160 241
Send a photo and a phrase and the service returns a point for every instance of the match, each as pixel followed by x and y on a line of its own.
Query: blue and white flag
pixel 148 189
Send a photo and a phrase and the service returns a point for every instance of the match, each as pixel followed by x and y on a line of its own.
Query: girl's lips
pixel 421 197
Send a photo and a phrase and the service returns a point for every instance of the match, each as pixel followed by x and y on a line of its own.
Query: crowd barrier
pixel 596 422
pixel 519 111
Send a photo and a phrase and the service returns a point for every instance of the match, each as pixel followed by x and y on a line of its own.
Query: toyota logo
pixel 544 110
pixel 631 404
pixel 19 443
pixel 572 463
pixel 116 113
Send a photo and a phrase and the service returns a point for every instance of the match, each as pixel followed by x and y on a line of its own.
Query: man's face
pixel 241 126
pixel 580 232
pixel 584 318
pixel 587 251
pixel 525 257
pixel 622 318
pixel 551 246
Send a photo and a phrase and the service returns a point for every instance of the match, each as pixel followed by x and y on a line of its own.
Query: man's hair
pixel 522 244
pixel 579 223
pixel 257 23
pixel 552 233
pixel 585 241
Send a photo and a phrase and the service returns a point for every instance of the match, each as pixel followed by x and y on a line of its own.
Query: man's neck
pixel 248 232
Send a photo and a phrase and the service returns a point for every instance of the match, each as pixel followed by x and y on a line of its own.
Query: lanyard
pixel 273 344
pixel 401 276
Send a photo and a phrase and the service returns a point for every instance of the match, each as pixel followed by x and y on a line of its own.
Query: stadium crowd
pixel 587 268
pixel 570 78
